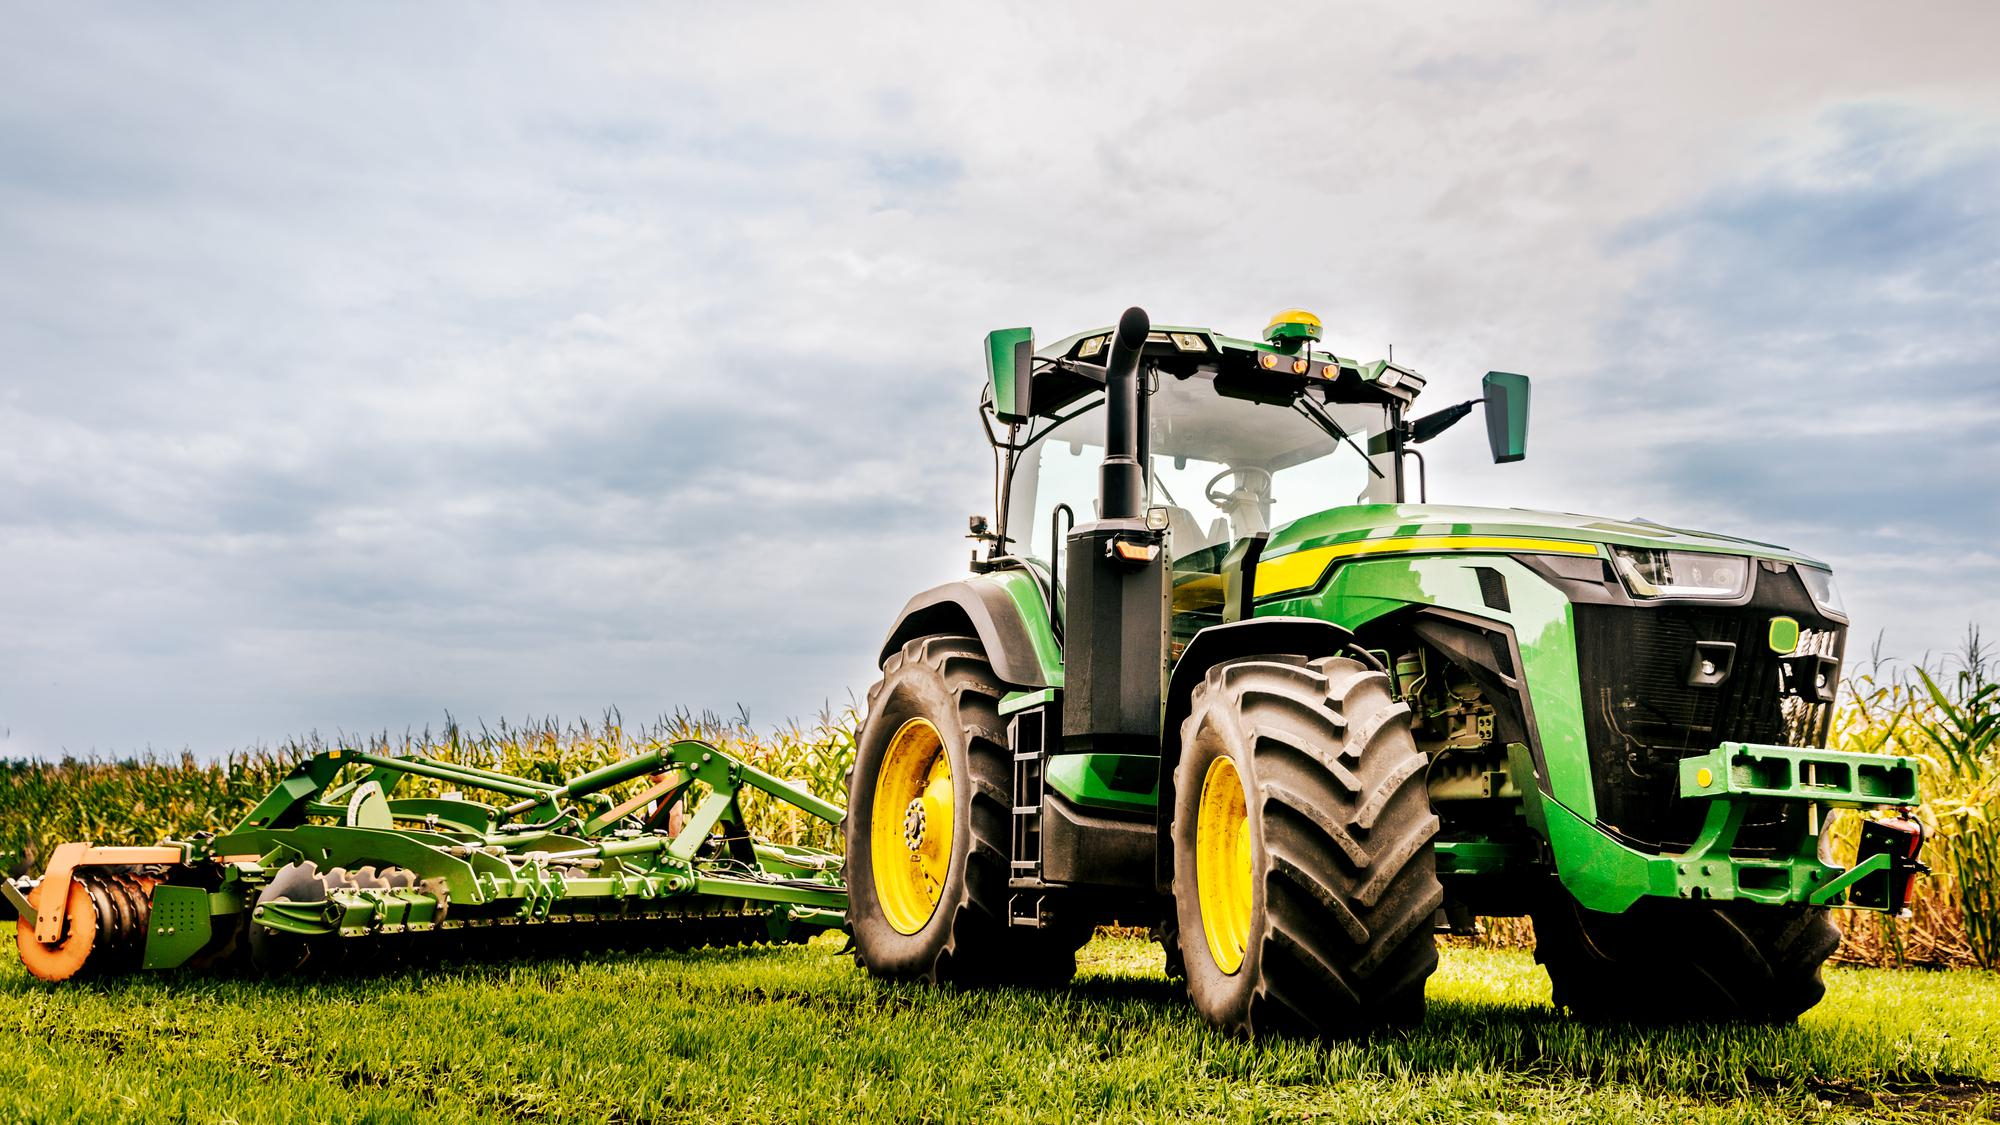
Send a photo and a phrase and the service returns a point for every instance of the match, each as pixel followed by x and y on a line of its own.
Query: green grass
pixel 799 1034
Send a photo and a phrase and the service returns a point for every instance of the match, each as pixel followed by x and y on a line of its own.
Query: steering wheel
pixel 1256 485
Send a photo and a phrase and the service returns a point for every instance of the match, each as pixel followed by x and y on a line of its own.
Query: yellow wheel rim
pixel 910 826
pixel 1222 870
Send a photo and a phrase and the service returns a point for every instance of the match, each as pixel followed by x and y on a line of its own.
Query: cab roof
pixel 1072 367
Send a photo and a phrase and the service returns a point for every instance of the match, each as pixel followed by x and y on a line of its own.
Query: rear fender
pixel 1007 610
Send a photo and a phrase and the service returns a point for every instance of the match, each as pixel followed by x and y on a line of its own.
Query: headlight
pixel 1825 595
pixel 1649 573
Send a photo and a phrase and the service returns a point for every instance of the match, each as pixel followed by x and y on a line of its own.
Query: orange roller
pixel 103 926
pixel 63 959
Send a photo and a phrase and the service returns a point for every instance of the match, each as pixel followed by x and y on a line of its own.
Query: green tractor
pixel 1215 673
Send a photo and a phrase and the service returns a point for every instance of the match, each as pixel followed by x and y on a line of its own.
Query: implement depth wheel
pixel 927 829
pixel 104 925
pixel 1669 961
pixel 1305 874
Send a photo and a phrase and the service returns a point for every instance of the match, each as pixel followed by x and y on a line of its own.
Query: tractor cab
pixel 1222 468
pixel 1239 438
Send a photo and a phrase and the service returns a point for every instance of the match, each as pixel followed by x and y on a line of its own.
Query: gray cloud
pixel 1821 359
pixel 360 365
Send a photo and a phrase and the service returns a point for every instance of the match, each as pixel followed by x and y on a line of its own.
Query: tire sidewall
pixel 910 690
pixel 1223 998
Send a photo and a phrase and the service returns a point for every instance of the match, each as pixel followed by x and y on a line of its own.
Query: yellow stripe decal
pixel 1303 569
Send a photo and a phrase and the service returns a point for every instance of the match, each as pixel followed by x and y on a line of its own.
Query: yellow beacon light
pixel 1292 326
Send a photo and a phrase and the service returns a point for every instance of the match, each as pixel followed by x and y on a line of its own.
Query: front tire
pixel 1305 872
pixel 928 813
pixel 1671 961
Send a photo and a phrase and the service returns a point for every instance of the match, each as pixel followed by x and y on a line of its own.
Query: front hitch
pixel 1736 774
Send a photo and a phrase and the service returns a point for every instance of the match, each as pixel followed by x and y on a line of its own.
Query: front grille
pixel 1642 715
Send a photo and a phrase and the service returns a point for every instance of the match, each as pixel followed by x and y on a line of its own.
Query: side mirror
pixel 1506 415
pixel 1010 364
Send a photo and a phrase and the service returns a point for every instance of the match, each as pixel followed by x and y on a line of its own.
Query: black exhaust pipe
pixel 1122 479
pixel 1115 602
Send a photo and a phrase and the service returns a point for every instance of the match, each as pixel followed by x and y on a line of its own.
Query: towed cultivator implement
pixel 333 863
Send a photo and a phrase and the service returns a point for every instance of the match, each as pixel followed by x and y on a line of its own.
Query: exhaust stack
pixel 1122 479
pixel 1115 580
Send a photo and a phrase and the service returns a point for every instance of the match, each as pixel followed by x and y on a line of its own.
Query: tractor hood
pixel 1363 523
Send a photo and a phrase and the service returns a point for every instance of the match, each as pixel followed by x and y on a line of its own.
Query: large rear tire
pixel 927 829
pixel 1670 961
pixel 1305 872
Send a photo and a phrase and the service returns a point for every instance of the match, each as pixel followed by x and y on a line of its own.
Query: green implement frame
pixel 334 856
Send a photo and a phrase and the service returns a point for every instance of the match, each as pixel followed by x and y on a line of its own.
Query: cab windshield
pixel 1224 468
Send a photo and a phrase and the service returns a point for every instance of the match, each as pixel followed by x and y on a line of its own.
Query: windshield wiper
pixel 1325 422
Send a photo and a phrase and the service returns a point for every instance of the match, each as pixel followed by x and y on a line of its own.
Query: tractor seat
pixel 1184 534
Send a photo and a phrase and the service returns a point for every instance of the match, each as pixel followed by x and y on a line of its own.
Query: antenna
pixel 1392 353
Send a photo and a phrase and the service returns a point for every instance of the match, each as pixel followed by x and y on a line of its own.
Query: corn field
pixel 1945 712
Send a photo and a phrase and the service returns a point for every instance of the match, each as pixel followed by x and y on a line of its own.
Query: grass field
pixel 798 1034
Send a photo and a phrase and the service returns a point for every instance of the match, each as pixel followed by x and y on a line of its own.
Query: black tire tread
pixel 980 948
pixel 1350 881
pixel 1672 961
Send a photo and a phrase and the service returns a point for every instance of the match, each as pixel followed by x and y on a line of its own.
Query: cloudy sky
pixel 363 365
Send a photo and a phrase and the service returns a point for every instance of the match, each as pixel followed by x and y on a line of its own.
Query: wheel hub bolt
pixel 913 825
